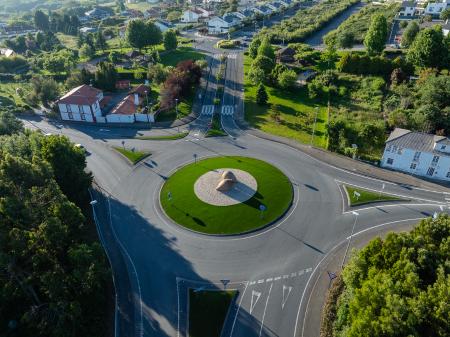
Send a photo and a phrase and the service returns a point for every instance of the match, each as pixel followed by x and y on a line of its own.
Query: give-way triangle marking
pixel 285 295
pixel 255 297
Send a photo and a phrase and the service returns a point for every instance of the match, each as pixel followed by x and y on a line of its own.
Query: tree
pixel 345 40
pixel 43 90
pixel 157 73
pixel 264 63
pixel 410 33
pixel 136 34
pixel 266 49
pixel 173 16
pixel 256 75
pixel 114 56
pixel 170 40
pixel 428 49
pixel 375 38
pixel 41 20
pixel 287 79
pixel 445 14
pixel 9 124
pixel 153 34
pixel 100 42
pixel 253 47
pixel 86 51
pixel 106 76
pixel 261 95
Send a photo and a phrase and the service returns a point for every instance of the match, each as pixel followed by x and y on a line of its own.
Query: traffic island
pixel 358 196
pixel 226 195
pixel 208 310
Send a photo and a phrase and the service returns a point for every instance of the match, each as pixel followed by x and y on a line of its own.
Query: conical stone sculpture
pixel 226 182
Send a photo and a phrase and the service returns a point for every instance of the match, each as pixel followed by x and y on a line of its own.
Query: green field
pixel 296 112
pixel 180 54
pixel 366 196
pixel 185 208
pixel 207 312
pixel 133 156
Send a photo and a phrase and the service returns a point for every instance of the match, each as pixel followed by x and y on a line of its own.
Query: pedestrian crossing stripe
pixel 232 56
pixel 227 110
pixel 207 109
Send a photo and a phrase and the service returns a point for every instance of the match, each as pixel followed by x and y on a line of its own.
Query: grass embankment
pixel 358 23
pixel 133 156
pixel 164 137
pixel 185 208
pixel 289 114
pixel 207 312
pixel 366 196
pixel 216 128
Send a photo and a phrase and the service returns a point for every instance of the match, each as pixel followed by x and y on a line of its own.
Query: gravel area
pixel 205 188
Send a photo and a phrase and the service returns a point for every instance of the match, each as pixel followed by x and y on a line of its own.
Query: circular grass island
pixel 268 193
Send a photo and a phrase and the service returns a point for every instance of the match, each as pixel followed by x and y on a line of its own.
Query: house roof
pixel 140 90
pixel 247 12
pixel 6 52
pixel 82 95
pixel 418 141
pixel 125 106
pixel 231 17
pixel 408 4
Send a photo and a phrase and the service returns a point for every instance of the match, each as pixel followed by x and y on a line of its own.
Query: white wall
pixel 145 118
pixel 189 16
pixel 76 113
pixel 117 118
pixel 404 159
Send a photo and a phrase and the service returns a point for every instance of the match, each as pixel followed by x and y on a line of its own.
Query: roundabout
pixel 201 196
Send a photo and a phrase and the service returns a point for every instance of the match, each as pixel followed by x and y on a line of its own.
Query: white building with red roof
pixel 81 104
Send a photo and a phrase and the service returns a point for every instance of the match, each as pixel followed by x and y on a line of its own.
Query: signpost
pixel 123 144
pixel 195 158
pixel 262 208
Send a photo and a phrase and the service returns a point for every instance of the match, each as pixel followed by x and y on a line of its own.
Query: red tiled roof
pixel 140 90
pixel 82 95
pixel 126 106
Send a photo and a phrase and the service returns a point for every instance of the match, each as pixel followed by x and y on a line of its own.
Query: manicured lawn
pixel 132 156
pixel 296 112
pixel 185 208
pixel 180 54
pixel 366 196
pixel 165 137
pixel 207 312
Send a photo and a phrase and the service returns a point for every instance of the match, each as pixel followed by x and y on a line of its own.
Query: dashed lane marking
pixel 207 109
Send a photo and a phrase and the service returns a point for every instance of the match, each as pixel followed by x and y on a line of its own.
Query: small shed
pixel 286 55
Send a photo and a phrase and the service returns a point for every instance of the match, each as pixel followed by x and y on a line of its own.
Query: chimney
pixel 136 99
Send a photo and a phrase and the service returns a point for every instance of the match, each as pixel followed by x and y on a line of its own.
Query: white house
pixel 190 15
pixel 7 52
pixel 217 25
pixel 81 104
pixel 435 8
pixel 408 8
pixel 418 153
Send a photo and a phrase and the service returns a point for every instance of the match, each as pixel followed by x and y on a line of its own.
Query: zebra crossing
pixel 207 109
pixel 230 56
pixel 227 110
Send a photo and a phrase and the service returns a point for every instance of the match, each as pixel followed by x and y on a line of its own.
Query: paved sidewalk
pixel 349 164
pixel 320 281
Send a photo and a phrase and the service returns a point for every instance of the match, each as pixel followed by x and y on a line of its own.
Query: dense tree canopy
pixel 399 286
pixel 170 40
pixel 141 34
pixel 429 49
pixel 52 280
pixel 376 36
pixel 410 33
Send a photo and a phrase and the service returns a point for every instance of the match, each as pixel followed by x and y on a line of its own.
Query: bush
pixel 10 64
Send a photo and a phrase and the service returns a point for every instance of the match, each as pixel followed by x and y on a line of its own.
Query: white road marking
pixel 285 276
pixel 227 110
pixel 265 307
pixel 260 281
pixel 293 274
pixel 255 298
pixel 269 279
pixel 239 307
pixel 207 110
pixel 252 283
pixel 285 296
pixel 277 278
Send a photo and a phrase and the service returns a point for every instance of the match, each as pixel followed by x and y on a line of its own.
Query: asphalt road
pixel 155 262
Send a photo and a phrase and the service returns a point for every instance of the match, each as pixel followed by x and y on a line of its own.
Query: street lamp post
pixel 350 238
pixel 314 126
pixel 176 112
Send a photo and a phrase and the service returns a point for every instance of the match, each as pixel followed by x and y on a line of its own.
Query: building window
pixel 389 148
pixel 430 171
pixel 68 108
pixel 390 161
pixel 70 115
pixel 400 150
pixel 435 159
pixel 394 148
pixel 413 166
pixel 83 116
pixel 448 174
pixel 443 147
pixel 416 156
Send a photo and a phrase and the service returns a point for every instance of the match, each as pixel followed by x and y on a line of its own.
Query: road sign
pixel 195 157
pixel 262 208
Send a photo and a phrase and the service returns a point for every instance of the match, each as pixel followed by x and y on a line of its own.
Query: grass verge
pixel 180 54
pixel 165 137
pixel 133 156
pixel 366 196
pixel 208 311
pixel 185 208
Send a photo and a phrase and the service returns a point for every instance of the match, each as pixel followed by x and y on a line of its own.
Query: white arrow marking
pixel 257 295
pixel 285 297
